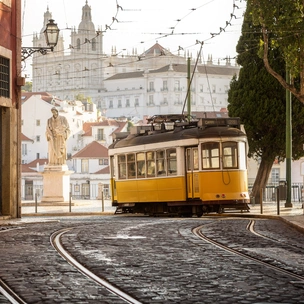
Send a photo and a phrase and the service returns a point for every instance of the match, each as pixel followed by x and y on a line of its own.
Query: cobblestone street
pixel 156 260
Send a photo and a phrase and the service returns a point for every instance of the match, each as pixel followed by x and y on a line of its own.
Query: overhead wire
pixel 135 58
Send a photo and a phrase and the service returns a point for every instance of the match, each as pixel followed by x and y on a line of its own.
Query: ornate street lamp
pixel 51 33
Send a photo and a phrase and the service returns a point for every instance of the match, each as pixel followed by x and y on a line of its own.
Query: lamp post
pixel 51 33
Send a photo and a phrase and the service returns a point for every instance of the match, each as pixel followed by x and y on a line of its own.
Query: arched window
pixel 93 44
pixel 78 44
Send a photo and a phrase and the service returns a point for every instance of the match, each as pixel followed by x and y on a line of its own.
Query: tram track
pixel 9 294
pixel 250 227
pixel 57 244
pixel 198 232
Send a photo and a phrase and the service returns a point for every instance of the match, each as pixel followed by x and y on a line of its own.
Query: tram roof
pixel 177 134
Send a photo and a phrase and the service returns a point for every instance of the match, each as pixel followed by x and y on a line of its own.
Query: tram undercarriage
pixel 190 209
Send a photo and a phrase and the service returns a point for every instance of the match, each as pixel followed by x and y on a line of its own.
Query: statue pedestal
pixel 56 184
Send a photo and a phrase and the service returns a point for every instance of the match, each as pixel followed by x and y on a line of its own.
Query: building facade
pixel 165 91
pixel 152 82
pixel 10 107
pixel 87 144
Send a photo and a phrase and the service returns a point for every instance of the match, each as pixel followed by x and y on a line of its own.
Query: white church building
pixel 153 82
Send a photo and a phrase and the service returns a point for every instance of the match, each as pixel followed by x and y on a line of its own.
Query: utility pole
pixel 189 89
pixel 288 142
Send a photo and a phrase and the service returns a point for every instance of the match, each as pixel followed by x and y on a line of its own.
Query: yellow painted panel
pixel 172 189
pixel 151 190
pixel 231 183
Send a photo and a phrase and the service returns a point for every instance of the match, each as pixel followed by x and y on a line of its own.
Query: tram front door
pixel 192 169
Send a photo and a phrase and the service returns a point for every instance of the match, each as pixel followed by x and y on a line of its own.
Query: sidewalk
pixel 293 215
pixel 78 207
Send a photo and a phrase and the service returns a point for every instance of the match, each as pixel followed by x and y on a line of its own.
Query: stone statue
pixel 57 132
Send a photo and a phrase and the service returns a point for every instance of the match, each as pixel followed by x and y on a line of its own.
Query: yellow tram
pixel 179 167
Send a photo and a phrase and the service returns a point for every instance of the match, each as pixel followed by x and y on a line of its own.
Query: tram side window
pixel 131 165
pixel 160 163
pixel 211 155
pixel 141 165
pixel 171 161
pixel 230 155
pixel 150 156
pixel 112 167
pixel 242 156
pixel 122 168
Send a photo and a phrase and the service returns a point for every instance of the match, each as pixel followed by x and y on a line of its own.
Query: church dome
pixel 86 23
pixel 47 17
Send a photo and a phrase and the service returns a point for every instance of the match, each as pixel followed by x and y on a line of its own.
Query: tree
pixel 259 100
pixel 282 25
pixel 81 97
pixel 27 87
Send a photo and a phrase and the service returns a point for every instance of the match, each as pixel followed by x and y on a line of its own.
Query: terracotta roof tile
pixel 25 138
pixel 87 126
pixel 41 162
pixel 92 150
pixel 26 168
pixel 105 170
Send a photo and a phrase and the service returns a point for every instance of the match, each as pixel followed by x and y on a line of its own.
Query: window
pixel 119 104
pixel 211 155
pixel 160 163
pixel 150 156
pixel 78 44
pixel 38 122
pixel 84 166
pixel 122 167
pixel 151 86
pixel 165 85
pixel 24 149
pixel 93 44
pixel 37 155
pixel 111 104
pixel 141 165
pixel 131 165
pixel 127 103
pixel 195 158
pixel 230 155
pixel 136 103
pixel 177 85
pixel 213 88
pixel 171 161
pixel 100 135
pixel 38 138
pixel 151 100
pixel 4 77
pixel 177 99
pixel 275 175
pixel 103 162
pixel 192 159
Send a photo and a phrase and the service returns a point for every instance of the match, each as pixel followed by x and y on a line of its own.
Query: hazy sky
pixel 138 24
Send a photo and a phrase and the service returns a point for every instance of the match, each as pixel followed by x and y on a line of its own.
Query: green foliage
pixel 260 101
pixel 130 124
pixel 284 21
pixel 27 87
pixel 81 97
